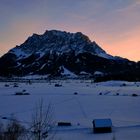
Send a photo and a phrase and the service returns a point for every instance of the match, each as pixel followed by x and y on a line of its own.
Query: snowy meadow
pixel 78 102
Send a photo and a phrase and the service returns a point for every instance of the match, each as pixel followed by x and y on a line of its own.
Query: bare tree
pixel 1 131
pixel 13 130
pixel 114 137
pixel 42 122
pixel 40 127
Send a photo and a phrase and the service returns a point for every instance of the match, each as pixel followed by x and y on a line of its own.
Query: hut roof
pixel 99 123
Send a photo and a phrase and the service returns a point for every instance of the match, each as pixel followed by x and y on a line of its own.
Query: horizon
pixel 114 26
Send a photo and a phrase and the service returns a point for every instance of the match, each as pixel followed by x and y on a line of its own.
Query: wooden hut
pixel 102 126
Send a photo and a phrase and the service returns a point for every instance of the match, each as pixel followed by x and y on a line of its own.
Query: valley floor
pixel 78 102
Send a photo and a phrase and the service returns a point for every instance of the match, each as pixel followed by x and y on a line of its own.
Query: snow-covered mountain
pixel 54 52
pixel 60 43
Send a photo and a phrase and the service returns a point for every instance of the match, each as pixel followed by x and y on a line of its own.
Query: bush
pixel 12 131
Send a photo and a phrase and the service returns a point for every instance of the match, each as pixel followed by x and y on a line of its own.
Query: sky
pixel 113 24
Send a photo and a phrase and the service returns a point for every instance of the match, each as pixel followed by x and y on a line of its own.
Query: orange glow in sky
pixel 114 25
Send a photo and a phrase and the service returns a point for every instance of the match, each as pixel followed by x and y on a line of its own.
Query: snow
pixel 98 73
pixel 35 77
pixel 105 55
pixel 43 66
pixel 19 53
pixel 81 109
pixel 68 73
pixel 84 73
pixel 59 42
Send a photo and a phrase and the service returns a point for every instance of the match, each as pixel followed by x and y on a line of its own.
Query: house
pixel 102 126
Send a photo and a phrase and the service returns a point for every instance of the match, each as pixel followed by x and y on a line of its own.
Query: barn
pixel 102 126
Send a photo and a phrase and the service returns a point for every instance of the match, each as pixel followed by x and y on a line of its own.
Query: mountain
pixel 60 53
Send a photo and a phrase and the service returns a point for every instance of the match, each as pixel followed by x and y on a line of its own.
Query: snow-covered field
pixel 111 99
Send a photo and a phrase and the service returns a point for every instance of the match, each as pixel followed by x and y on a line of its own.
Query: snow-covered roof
pixel 98 73
pixel 83 73
pixel 102 123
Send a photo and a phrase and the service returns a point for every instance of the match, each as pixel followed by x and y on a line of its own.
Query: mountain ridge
pixel 50 39
pixel 54 51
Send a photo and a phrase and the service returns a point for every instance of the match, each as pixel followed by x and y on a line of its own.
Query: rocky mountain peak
pixel 59 42
pixel 56 53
